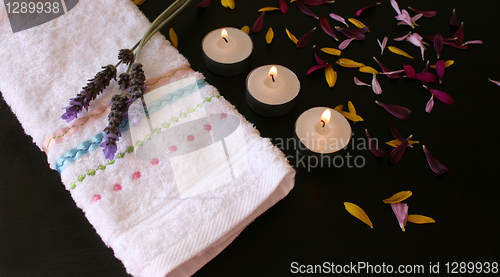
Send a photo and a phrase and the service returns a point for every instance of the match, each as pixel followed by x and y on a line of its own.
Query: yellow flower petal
pixel 228 4
pixel 351 108
pixel 268 9
pixel 349 63
pixel 357 212
pixel 398 51
pixel 139 2
pixel 339 108
pixel 291 1
pixel 368 69
pixel 224 3
pixel 446 64
pixel 173 37
pixel 395 143
pixel 269 35
pixel 331 51
pixel 356 22
pixel 420 219
pixel 398 197
pixel 246 29
pixel 291 36
pixel 352 117
pixel 330 75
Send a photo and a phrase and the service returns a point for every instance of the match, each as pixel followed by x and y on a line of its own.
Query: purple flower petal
pixel 397 135
pixel 426 68
pixel 424 13
pixel 494 82
pixel 454 20
pixel 398 152
pixel 304 40
pixel 459 35
pixel 401 212
pixel 382 44
pixel 430 104
pixel 376 150
pixel 377 89
pixel 351 33
pixel 318 60
pixel 409 71
pixel 315 2
pixel 397 111
pixel 203 4
pixel 343 45
pixel 327 28
pixel 434 164
pixel 338 18
pixel 438 44
pixel 360 83
pixel 283 6
pixel 316 67
pixel 440 70
pixel 441 95
pixel 386 69
pixel 305 9
pixel 259 23
pixel 426 77
pixel 354 30
pixel 473 42
pixel 358 12
pixel 456 44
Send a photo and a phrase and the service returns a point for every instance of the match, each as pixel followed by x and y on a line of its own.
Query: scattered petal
pixel 434 164
pixel 246 29
pixel 403 37
pixel 438 44
pixel 454 20
pixel 430 104
pixel 228 4
pixel 358 12
pixel 316 67
pixel 424 13
pixel 357 212
pixel 349 63
pixel 397 111
pixel 359 83
pixel 405 18
pixel 446 64
pixel 357 34
pixel 398 51
pixel 283 6
pixel 382 44
pixel 459 35
pixel 304 40
pixel 356 22
pixel 416 40
pixel 442 96
pixel 368 69
pixel 494 82
pixel 440 70
pixel 305 9
pixel 420 219
pixel 203 4
pixel 268 9
pixel 398 197
pixel 291 36
pixel 395 6
pixel 331 51
pixel 395 143
pixel 318 60
pixel 426 77
pixel 473 42
pixel 376 150
pixel 409 71
pixel 327 28
pixel 316 2
pixel 351 115
pixel 401 212
pixel 387 70
pixel 339 108
pixel 456 44
pixel 173 37
pixel 397 135
pixel 269 35
pixel 259 23
pixel 345 43
pixel 398 152
pixel 377 89
pixel 338 18
pixel 330 75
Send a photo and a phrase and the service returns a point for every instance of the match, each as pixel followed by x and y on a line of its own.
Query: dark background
pixel 43 233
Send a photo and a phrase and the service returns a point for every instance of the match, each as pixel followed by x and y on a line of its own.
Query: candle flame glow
pixel 273 71
pixel 325 117
pixel 223 33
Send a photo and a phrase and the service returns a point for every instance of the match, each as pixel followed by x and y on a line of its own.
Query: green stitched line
pixel 168 76
pixel 130 149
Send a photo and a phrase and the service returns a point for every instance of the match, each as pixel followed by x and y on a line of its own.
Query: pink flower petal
pixel 283 6
pixel 305 9
pixel 316 67
pixel 259 23
pixel 377 89
pixel 409 71
pixel 416 17
pixel 440 70
pixel 426 77
pixel 358 12
pixel 430 104
pixel 376 150
pixel 387 70
pixel 318 60
pixel 343 45
pixel 203 4
pixel 304 40
pixel 382 44
pixel 401 212
pixel 395 6
pixel 338 18
pixel 398 152
pixel 327 28
pixel 454 20
pixel 473 42
pixel 397 111
pixel 360 83
pixel 494 82
pixel 402 38
pixel 424 13
pixel 315 2
pixel 438 44
pixel 456 44
pixel 434 164
pixel 441 95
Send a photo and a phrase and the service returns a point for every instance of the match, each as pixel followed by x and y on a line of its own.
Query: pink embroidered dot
pixel 208 127
pixel 223 115
pixel 173 148
pixel 118 187
pixel 155 161
pixel 190 138
pixel 97 197
pixel 136 175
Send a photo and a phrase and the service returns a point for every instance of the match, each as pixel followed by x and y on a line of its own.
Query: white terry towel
pixel 169 202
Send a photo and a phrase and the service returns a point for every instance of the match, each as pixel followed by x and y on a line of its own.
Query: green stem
pixel 167 20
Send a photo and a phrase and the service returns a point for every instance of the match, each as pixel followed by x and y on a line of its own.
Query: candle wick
pixel 224 39
pixel 324 123
pixel 272 77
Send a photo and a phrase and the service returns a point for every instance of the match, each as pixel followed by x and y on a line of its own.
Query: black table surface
pixel 43 233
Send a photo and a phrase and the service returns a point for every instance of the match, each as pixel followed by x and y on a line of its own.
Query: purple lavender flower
pixel 112 131
pixel 126 56
pixel 137 79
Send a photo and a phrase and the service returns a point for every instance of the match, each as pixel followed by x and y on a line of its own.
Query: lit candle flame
pixel 223 34
pixel 325 117
pixel 273 72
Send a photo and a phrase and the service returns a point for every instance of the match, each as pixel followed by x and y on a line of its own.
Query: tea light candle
pixel 226 51
pixel 323 130
pixel 272 90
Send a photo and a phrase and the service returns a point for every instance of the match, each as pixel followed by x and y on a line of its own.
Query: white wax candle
pixel 322 135
pixel 283 89
pixel 238 47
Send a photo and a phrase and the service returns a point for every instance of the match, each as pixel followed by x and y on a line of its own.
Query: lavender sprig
pixel 112 131
pixel 137 79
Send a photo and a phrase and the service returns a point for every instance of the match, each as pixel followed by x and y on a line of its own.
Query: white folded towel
pixel 185 182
